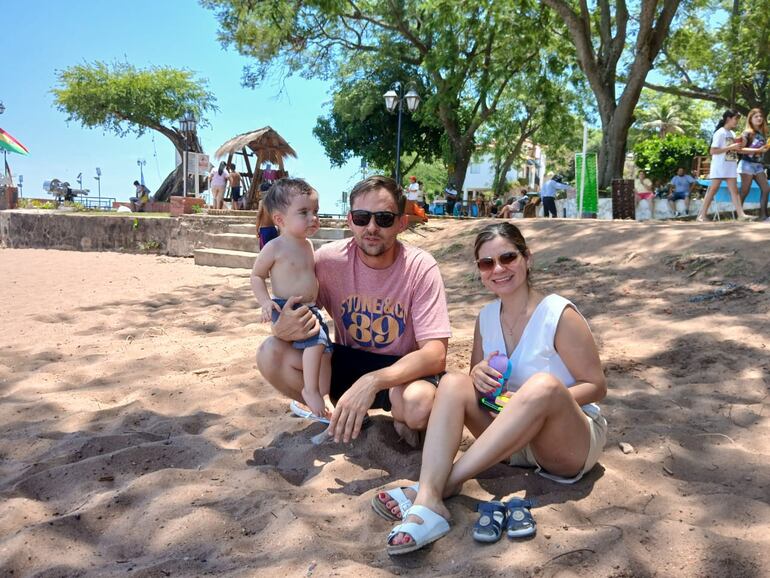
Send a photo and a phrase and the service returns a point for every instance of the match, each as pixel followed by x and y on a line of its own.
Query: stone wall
pixel 132 233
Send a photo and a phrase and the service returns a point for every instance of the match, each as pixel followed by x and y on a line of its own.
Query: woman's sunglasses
pixel 488 263
pixel 383 219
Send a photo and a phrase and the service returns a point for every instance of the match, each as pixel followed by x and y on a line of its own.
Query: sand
pixel 138 439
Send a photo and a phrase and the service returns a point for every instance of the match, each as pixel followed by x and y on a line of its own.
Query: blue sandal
pixel 519 522
pixel 489 527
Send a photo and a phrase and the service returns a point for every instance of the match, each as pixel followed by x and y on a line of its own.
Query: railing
pixel 98 204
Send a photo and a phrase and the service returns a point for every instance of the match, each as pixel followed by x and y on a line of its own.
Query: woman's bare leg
pixel 745 186
pixel 732 186
pixel 764 188
pixel 712 190
pixel 542 413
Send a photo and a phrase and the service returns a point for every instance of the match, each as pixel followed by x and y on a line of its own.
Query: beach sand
pixel 138 439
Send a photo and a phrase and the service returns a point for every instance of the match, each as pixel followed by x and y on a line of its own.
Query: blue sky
pixel 40 37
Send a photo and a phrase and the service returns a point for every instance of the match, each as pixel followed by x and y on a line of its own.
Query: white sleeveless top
pixel 536 351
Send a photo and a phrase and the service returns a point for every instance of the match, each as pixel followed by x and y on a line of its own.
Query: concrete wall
pixel 46 229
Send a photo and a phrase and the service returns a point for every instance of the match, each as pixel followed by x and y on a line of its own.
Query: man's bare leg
pixel 281 365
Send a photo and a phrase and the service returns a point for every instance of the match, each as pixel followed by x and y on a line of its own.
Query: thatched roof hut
pixel 266 143
pixel 268 147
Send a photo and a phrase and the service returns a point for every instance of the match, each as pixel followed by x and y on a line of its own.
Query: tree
pixel 539 108
pixel 467 52
pixel 661 157
pixel 600 40
pixel 359 125
pixel 728 65
pixel 123 99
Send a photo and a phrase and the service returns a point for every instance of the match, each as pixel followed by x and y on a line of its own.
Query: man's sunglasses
pixel 488 263
pixel 383 219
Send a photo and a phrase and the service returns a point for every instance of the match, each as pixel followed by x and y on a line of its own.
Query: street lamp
pixel 141 163
pixel 393 100
pixel 187 126
pixel 98 178
pixel 21 185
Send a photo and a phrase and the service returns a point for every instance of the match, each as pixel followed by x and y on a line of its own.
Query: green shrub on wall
pixel 661 157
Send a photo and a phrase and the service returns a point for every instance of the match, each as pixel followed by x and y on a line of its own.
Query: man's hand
pixel 351 409
pixel 295 324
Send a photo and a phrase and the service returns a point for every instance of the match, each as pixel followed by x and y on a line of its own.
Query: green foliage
pixel 660 114
pixel 197 209
pixel 149 246
pixel 123 99
pixel 360 126
pixel 463 54
pixel 661 157
pixel 35 204
pixel 720 55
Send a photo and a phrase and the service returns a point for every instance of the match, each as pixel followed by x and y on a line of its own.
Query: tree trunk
pixel 173 185
pixel 612 155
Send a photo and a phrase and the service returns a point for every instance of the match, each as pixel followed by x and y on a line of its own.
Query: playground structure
pixel 263 147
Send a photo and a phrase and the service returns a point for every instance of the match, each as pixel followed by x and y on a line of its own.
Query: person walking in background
pixel 548 194
pixel 234 178
pixel 217 183
pixel 750 166
pixel 724 164
pixel 680 188
pixel 643 189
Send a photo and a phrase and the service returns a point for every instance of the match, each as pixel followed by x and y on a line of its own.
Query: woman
pixel 546 425
pixel 750 166
pixel 217 183
pixel 643 189
pixel 724 164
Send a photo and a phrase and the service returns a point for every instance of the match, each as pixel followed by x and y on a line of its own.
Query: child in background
pixel 266 229
pixel 289 262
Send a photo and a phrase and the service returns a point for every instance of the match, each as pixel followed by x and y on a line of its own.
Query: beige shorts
pixel 597 428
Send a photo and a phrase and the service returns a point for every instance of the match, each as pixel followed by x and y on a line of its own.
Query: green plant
pixel 197 209
pixel 151 245
pixel 35 204
pixel 135 224
pixel 660 157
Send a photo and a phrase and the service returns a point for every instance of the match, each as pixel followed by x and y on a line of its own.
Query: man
pixel 391 324
pixel 548 194
pixel 680 187
pixel 450 194
pixel 234 178
pixel 141 199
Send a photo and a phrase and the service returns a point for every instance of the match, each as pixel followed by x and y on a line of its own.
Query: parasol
pixel 10 144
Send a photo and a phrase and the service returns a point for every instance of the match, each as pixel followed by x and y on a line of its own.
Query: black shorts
pixel 235 193
pixel 348 364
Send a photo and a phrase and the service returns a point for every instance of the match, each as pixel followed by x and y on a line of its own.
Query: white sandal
pixel 400 498
pixel 431 529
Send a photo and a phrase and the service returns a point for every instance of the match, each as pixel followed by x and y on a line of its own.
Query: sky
pixel 43 36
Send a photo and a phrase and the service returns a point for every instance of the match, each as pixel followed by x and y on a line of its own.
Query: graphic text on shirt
pixel 371 321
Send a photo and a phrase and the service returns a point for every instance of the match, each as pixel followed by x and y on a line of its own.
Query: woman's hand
pixel 485 379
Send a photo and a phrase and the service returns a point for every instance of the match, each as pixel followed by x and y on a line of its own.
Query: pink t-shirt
pixel 384 311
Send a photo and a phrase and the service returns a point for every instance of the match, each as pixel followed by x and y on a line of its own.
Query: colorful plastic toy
pixel 495 400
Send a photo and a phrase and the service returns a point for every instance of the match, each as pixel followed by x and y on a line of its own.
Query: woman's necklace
pixel 510 330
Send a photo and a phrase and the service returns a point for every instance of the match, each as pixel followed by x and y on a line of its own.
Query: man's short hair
pixel 375 183
pixel 281 194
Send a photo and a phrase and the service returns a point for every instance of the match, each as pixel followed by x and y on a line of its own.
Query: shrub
pixel 661 157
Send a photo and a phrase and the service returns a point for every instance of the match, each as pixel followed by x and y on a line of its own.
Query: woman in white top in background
pixel 217 182
pixel 550 423
pixel 724 164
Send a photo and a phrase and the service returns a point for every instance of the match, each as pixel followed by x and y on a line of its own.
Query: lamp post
pixel 187 126
pixel 393 99
pixel 98 179
pixel 141 163
pixel 21 184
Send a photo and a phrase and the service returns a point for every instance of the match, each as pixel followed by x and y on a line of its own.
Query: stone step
pixel 225 258
pixel 232 242
pixel 332 233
